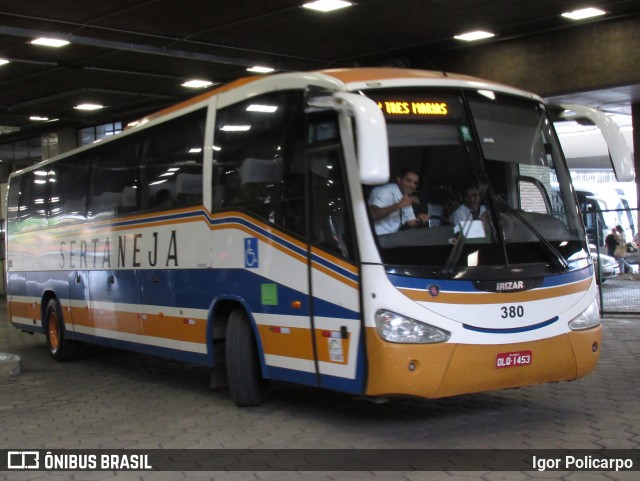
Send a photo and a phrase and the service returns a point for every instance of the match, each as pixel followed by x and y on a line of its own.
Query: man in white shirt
pixel 470 209
pixel 390 205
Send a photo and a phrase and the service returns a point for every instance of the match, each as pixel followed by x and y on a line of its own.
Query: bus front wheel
pixel 246 385
pixel 60 348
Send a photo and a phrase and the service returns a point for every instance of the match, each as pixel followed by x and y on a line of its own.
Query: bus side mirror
pixel 372 149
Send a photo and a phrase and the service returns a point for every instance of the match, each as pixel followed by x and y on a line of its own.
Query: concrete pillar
pixel 635 115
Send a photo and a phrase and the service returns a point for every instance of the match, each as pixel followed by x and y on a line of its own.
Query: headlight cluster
pixel 393 327
pixel 588 319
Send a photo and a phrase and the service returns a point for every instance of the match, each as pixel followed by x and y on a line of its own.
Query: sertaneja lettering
pixel 130 250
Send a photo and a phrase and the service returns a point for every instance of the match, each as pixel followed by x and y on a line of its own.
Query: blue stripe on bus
pixel 187 289
pixel 352 276
pixel 268 233
pixel 512 330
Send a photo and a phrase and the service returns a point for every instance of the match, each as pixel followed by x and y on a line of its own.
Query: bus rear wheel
pixel 246 385
pixel 60 348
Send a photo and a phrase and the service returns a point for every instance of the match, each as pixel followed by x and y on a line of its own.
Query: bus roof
pixel 357 79
pixel 344 79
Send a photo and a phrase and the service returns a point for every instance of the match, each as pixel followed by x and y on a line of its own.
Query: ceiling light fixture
pixel 89 107
pixel 3 61
pixel 37 118
pixel 475 35
pixel 266 109
pixel 197 84
pixel 325 6
pixel 50 42
pixel 584 13
pixel 259 69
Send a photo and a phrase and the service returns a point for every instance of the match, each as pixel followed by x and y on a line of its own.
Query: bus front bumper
pixel 449 369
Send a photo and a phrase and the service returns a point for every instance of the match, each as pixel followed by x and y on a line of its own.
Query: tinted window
pixel 114 179
pixel 259 164
pixel 172 160
pixel 68 202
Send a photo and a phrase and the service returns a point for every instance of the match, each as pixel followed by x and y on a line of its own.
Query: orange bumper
pixel 440 370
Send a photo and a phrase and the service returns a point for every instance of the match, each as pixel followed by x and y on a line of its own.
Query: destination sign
pixel 414 108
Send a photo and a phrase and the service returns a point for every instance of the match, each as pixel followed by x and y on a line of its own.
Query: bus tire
pixel 60 348
pixel 246 385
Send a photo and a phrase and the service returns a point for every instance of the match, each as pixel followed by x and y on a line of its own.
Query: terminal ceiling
pixel 133 56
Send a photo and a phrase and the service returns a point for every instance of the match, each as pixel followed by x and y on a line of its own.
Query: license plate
pixel 513 359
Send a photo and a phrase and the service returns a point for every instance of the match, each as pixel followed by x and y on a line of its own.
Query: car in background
pixel 605 266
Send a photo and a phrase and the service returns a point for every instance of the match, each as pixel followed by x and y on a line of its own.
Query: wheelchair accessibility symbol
pixel 251 259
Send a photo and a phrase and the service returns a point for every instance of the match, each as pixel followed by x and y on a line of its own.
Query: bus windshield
pixel 487 170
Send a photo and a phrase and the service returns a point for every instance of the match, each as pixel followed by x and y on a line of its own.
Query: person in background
pixel 621 251
pixel 470 209
pixel 611 242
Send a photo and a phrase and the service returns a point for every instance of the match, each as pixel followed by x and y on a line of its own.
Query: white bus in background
pixel 603 208
pixel 607 146
pixel 603 176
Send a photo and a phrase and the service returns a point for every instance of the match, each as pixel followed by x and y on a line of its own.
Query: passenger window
pixel 172 163
pixel 330 226
pixel 258 163
pixel 114 179
pixel 69 190
pixel 34 199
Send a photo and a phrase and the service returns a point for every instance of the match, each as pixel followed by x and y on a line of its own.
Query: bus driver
pixel 390 205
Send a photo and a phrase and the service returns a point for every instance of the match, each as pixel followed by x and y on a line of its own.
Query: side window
pixel 532 198
pixel 13 204
pixel 259 163
pixel 114 179
pixel 172 163
pixel 69 189
pixel 330 226
pixel 33 199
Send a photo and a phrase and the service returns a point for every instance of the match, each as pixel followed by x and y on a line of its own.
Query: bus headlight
pixel 393 327
pixel 588 319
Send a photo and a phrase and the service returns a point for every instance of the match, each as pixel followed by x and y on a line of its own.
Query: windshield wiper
pixel 554 254
pixel 448 269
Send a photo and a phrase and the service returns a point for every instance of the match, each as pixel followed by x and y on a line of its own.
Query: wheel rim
pixel 53 328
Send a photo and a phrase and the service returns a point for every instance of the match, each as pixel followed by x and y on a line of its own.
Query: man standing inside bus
pixel 390 205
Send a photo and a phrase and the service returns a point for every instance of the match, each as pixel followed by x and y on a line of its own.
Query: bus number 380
pixel 512 311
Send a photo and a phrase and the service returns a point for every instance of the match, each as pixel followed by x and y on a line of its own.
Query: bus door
pixel 115 305
pixel 335 294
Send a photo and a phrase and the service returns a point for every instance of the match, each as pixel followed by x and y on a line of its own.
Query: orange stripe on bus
pixel 498 297
pixel 335 275
pixel 152 325
pixel 292 342
pixel 29 310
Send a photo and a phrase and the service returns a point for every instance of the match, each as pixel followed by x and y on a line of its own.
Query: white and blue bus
pixel 234 231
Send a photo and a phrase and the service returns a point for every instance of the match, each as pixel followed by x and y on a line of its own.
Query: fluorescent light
pixel 3 61
pixel 476 35
pixel 327 5
pixel 235 128
pixel 267 109
pixel 584 13
pixel 259 69
pixel 197 84
pixel 88 107
pixel 37 118
pixel 49 42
